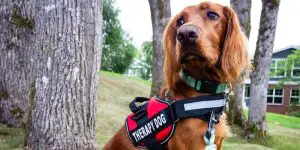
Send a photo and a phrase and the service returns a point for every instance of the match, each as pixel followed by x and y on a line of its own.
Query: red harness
pixel 153 122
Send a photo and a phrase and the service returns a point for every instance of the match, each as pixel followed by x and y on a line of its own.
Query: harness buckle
pixel 212 123
pixel 209 136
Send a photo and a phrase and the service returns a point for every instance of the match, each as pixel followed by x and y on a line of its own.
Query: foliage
pixel 292 58
pixel 118 51
pixel 147 51
pixel 288 68
pixel 294 114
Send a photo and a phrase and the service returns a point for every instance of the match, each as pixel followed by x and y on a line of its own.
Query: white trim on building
pixel 248 81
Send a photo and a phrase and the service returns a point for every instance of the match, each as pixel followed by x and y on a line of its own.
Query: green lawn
pixel 284 121
pixel 114 95
pixel 281 120
pixel 11 138
pixel 279 138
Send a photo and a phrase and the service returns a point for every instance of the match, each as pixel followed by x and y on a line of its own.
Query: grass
pixel 279 138
pixel 116 91
pixel 119 76
pixel 11 138
pixel 281 120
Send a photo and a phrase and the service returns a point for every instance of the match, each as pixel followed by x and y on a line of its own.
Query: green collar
pixel 203 85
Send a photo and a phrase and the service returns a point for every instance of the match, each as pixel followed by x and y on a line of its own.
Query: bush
pixel 294 114
pixel 118 51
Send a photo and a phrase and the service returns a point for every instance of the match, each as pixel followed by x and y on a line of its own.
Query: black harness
pixel 153 122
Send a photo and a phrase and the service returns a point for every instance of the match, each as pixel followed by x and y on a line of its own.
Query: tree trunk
pixel 16 49
pixel 262 61
pixel 243 10
pixel 160 13
pixel 236 115
pixel 62 96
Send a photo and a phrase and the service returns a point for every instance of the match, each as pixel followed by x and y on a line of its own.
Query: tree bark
pixel 262 61
pixel 16 49
pixel 236 115
pixel 67 55
pixel 243 10
pixel 160 13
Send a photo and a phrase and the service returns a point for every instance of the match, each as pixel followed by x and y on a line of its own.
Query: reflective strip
pixel 204 104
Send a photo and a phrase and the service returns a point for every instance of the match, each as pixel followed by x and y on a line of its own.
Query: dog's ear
pixel 170 63
pixel 234 59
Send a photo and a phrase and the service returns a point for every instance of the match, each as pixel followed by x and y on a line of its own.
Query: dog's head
pixel 205 40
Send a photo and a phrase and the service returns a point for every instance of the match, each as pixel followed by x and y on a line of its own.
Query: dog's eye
pixel 180 21
pixel 212 15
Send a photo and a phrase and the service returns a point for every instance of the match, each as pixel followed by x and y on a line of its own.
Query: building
pixel 283 96
pixel 137 68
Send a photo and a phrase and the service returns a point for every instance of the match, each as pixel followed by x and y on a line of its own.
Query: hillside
pixel 115 93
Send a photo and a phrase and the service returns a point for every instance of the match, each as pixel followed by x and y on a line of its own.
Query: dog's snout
pixel 187 34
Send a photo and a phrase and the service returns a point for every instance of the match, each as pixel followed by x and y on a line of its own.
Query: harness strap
pixel 153 144
pixel 199 107
pixel 133 107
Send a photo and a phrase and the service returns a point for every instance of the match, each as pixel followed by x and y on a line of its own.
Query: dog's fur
pixel 219 54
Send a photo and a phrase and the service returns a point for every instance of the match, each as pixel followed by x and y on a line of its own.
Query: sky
pixel 135 19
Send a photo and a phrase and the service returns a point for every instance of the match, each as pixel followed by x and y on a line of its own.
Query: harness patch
pixel 150 127
pixel 151 123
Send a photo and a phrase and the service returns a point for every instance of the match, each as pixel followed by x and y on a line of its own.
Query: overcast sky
pixel 135 19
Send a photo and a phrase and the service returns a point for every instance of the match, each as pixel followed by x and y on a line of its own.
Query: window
pixel 247 91
pixel 296 69
pixel 275 96
pixel 278 68
pixel 270 96
pixel 295 97
pixel 247 94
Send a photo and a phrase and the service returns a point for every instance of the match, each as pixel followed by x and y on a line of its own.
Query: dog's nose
pixel 187 34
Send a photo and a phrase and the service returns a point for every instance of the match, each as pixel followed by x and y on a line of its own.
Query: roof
pixel 284 52
pixel 287 47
